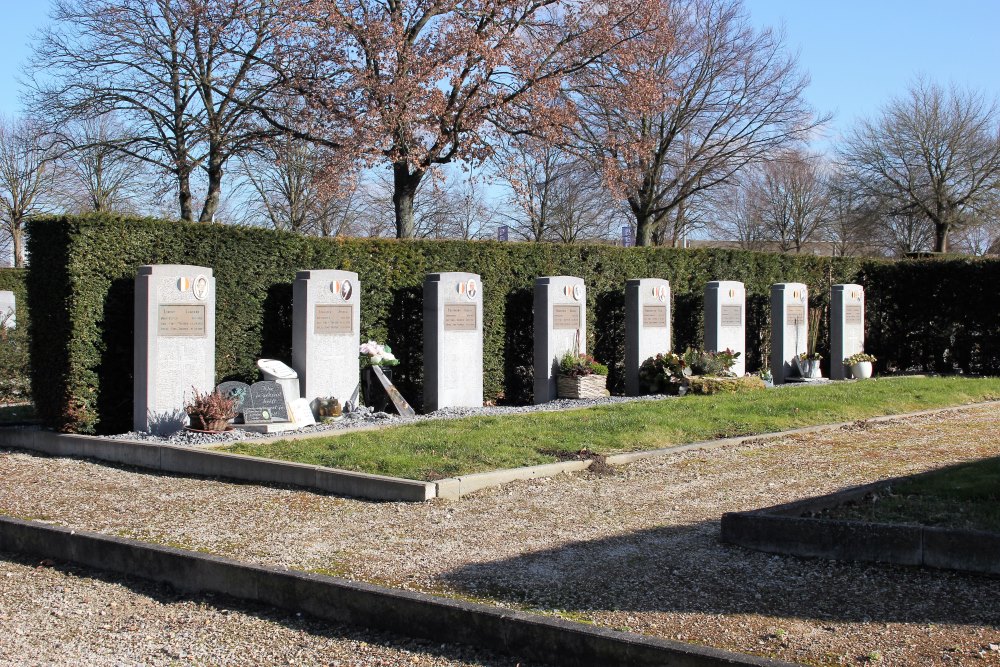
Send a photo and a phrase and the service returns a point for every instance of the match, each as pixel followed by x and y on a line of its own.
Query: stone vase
pixel 862 370
pixel 374 393
pixel 582 386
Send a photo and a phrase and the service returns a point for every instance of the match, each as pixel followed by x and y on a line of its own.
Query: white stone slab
pixel 8 310
pixel 647 326
pixel 453 341
pixel 789 327
pixel 847 327
pixel 326 334
pixel 301 413
pixel 560 326
pixel 174 343
pixel 726 319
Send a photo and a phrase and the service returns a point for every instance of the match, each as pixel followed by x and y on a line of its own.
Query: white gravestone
pixel 560 327
pixel 453 341
pixel 647 326
pixel 8 310
pixel 326 334
pixel 726 320
pixel 847 327
pixel 174 343
pixel 789 328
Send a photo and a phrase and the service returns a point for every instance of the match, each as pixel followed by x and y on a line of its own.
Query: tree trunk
pixel 941 237
pixel 214 172
pixel 403 191
pixel 184 195
pixel 17 236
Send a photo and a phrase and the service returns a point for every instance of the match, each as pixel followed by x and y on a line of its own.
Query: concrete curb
pixel 411 614
pixel 783 529
pixel 194 461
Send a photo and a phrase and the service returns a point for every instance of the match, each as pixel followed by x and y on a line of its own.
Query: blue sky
pixel 858 53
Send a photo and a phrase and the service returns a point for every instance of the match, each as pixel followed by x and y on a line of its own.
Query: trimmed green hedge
pixel 14 367
pixel 83 268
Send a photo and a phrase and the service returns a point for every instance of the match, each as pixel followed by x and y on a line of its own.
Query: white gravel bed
pixel 636 550
pixel 71 616
pixel 366 418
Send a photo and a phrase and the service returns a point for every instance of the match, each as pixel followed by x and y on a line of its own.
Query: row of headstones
pixel 175 334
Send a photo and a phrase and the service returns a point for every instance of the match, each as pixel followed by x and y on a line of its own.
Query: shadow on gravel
pixel 318 629
pixel 687 569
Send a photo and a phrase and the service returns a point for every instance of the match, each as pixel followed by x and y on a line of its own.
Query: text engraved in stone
pixel 565 317
pixel 334 319
pixel 853 314
pixel 460 317
pixel 654 317
pixel 795 315
pixel 731 315
pixel 181 320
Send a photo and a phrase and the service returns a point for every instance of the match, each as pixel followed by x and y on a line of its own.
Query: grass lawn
pixel 434 449
pixel 962 496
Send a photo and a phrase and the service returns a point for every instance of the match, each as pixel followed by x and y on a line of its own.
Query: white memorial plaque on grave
pixel 725 323
pixel 453 341
pixel 647 326
pixel 174 343
pixel 847 327
pixel 326 334
pixel 560 326
pixel 789 326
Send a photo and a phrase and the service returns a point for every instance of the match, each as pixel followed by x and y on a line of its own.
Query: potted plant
pixel 662 374
pixel 375 354
pixel 808 362
pixel 581 376
pixel 860 365
pixel 210 411
pixel 766 377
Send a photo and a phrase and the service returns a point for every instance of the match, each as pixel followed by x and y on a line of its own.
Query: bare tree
pixel 792 200
pixel 736 209
pixel 851 220
pixel 530 169
pixel 26 178
pixel 182 74
pixel 734 97
pixel 932 153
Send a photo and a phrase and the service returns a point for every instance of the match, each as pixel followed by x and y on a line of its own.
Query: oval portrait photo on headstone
pixel 471 289
pixel 200 287
pixel 346 290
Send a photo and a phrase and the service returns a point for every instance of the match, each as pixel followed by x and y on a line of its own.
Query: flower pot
pixel 808 368
pixel 199 423
pixel 862 370
pixel 374 393
pixel 582 386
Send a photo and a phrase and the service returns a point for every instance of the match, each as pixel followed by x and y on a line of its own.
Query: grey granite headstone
pixel 560 327
pixel 265 403
pixel 453 341
pixel 8 310
pixel 174 343
pixel 236 390
pixel 726 319
pixel 847 327
pixel 326 334
pixel 789 328
pixel 647 326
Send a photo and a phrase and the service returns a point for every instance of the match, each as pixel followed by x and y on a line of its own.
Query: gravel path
pixel 637 549
pixel 72 616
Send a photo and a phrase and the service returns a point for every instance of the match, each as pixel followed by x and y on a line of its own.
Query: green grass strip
pixel 443 448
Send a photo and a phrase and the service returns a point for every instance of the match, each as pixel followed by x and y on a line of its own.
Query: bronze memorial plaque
pixel 731 315
pixel 795 314
pixel 332 319
pixel 565 317
pixel 654 316
pixel 460 317
pixel 852 314
pixel 182 320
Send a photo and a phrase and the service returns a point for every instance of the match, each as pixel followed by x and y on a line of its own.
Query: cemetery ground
pixel 634 548
pixel 434 449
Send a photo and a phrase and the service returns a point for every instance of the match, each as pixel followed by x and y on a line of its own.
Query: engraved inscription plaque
pixel 334 319
pixel 795 315
pixel 565 317
pixel 654 316
pixel 181 320
pixel 731 315
pixel 460 317
pixel 852 314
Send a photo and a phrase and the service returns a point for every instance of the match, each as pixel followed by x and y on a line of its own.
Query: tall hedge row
pixel 83 268
pixel 14 367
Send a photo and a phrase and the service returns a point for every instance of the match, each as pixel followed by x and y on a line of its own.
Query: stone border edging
pixel 551 640
pixel 782 529
pixel 195 461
